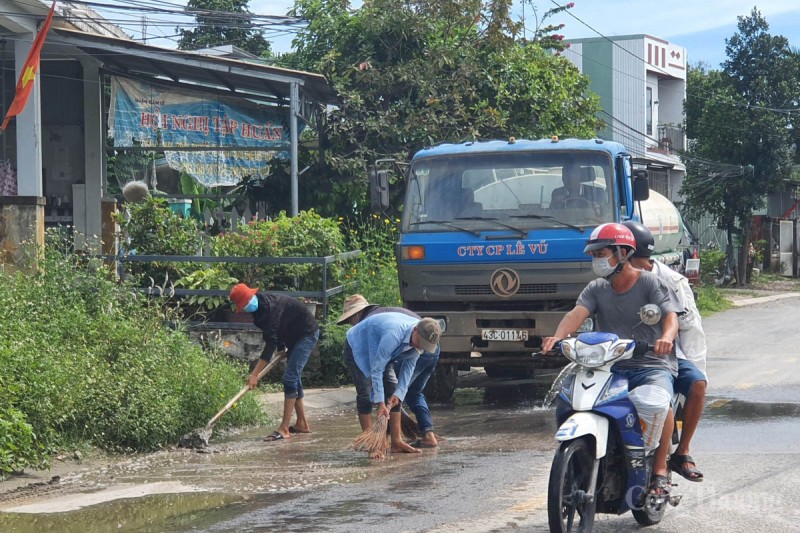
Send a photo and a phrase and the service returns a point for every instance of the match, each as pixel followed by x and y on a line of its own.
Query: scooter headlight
pixel 591 355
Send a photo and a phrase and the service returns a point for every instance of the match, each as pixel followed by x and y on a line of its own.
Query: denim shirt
pixel 382 339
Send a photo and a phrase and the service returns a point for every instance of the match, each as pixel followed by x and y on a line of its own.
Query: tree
pixel 735 116
pixel 419 72
pixel 223 22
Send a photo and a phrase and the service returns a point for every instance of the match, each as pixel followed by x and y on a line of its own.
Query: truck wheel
pixel 442 384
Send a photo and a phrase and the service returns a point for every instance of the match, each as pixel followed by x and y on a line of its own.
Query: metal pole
pixel 293 112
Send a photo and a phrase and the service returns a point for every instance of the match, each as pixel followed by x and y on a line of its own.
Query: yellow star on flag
pixel 28 75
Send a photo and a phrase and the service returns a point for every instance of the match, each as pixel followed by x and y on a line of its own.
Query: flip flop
pixel 677 464
pixel 275 435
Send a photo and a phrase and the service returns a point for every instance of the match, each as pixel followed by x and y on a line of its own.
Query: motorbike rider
pixel 690 347
pixel 614 298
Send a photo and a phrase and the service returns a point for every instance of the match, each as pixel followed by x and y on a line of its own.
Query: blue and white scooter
pixel 601 465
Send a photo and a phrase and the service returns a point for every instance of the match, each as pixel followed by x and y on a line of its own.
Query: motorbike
pixel 602 464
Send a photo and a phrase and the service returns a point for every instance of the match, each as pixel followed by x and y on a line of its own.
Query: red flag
pixel 28 74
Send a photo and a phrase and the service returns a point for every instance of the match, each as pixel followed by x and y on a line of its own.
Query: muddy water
pixel 179 489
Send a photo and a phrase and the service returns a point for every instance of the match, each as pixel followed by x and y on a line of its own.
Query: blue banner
pixel 143 114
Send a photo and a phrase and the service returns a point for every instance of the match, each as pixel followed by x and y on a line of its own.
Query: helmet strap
pixel 621 260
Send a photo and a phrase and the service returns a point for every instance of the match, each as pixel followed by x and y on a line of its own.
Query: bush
pixel 306 235
pixel 151 228
pixel 88 361
pixel 712 262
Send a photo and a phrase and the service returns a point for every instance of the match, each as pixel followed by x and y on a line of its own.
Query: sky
pixel 700 26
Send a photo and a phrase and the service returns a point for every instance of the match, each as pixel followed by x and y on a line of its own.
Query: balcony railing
pixel 671 138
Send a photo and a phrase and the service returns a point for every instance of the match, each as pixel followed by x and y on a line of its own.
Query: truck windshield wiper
pixel 447 224
pixel 519 231
pixel 548 217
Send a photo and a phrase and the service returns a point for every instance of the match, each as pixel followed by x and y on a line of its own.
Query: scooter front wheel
pixel 570 507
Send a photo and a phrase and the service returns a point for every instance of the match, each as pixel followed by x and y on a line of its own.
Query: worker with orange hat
pixel 284 321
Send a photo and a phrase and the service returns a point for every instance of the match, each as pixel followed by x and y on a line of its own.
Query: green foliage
pixel 411 74
pixel 711 300
pixel 88 361
pixel 333 371
pixel 210 278
pixel 190 185
pixel 306 235
pixel 19 446
pixel 374 273
pixel 223 22
pixel 712 262
pixel 153 229
pixel 732 118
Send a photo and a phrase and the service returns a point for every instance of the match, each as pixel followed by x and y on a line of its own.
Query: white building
pixel 641 81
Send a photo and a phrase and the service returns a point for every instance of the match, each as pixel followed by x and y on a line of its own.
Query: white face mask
pixel 601 267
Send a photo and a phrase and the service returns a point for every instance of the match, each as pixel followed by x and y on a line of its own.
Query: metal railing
pixel 324 294
pixel 671 138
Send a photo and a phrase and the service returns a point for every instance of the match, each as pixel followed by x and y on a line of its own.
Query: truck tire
pixel 442 384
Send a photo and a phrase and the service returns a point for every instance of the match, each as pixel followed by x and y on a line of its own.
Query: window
pixel 649 111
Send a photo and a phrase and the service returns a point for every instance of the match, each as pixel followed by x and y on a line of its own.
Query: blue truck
pixel 492 236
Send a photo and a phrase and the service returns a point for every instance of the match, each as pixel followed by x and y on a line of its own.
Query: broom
pixel 198 438
pixel 409 426
pixel 374 440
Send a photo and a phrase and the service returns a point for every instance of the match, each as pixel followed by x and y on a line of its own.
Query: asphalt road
pixel 490 474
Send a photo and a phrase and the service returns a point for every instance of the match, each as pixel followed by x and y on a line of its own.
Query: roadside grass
pixel 710 300
pixel 87 361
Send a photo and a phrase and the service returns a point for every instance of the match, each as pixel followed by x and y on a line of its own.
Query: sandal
pixel 677 463
pixel 660 486
pixel 275 435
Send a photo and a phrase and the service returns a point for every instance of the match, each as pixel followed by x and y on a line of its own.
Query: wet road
pixel 491 472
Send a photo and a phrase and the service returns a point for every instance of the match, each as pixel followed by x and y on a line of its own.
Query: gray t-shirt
pixel 618 312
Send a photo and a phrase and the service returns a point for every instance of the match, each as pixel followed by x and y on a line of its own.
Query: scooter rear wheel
pixel 569 507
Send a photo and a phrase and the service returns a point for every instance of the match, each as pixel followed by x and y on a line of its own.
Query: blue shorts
pixel 688 374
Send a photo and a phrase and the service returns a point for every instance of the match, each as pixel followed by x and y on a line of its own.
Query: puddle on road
pixel 241 473
pixel 723 408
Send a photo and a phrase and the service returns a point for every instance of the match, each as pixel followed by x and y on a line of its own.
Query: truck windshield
pixel 527 190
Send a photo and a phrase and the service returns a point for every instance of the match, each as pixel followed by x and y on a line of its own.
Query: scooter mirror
pixel 650 314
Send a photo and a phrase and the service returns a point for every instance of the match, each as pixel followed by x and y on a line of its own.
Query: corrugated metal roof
pixel 234 77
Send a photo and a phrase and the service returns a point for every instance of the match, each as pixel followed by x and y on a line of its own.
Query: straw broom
pixel 374 440
pixel 409 426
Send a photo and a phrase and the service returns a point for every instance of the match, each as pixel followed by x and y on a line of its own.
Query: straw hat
pixel 241 295
pixel 352 305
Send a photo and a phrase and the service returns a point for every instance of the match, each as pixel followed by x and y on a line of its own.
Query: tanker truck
pixel 492 236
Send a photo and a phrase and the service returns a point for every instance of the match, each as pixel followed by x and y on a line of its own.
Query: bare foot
pixel 376 455
pixel 429 440
pixel 403 447
pixel 298 428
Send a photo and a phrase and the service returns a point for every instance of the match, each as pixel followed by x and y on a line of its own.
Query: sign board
pixel 149 115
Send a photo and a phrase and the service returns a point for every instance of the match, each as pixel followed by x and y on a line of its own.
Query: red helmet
pixel 611 234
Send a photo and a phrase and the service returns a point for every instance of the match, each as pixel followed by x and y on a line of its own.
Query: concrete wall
pixel 21 229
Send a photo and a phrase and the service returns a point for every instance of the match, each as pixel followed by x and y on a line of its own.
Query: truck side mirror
pixel 641 186
pixel 379 190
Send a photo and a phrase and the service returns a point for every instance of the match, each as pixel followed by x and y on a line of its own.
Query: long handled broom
pixel 198 438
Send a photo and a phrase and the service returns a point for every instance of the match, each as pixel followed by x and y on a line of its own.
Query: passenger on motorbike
pixel 615 299
pixel 690 347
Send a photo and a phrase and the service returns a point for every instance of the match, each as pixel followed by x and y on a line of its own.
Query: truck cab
pixel 491 242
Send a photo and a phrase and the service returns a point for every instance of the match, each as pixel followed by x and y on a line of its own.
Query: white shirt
pixel 691 341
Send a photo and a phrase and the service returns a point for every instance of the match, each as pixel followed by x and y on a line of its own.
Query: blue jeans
pixel 298 357
pixel 415 399
pixel 688 374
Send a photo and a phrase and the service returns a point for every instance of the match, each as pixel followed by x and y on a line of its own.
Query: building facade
pixel 641 81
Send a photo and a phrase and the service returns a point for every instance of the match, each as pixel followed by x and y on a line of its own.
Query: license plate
pixel 504 334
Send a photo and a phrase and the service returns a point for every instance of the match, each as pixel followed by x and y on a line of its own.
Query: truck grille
pixel 526 288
